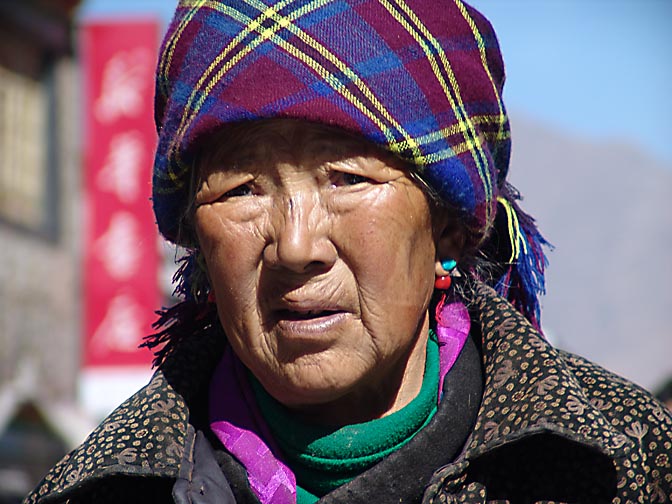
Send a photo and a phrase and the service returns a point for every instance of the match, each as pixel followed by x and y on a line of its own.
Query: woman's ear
pixel 450 245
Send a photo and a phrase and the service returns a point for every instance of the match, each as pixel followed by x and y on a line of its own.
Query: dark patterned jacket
pixel 551 428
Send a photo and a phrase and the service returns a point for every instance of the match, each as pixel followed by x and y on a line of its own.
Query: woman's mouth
pixel 314 323
pixel 305 315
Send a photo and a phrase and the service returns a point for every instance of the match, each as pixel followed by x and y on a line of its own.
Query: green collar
pixel 325 458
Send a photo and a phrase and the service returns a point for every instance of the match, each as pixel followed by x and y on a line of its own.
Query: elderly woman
pixel 360 319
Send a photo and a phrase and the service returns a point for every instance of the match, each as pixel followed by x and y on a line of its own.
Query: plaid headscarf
pixel 420 78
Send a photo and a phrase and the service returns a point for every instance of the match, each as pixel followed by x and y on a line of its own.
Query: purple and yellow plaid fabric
pixel 421 78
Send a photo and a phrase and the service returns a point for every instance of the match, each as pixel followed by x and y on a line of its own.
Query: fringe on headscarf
pixel 191 280
pixel 520 255
pixel 187 319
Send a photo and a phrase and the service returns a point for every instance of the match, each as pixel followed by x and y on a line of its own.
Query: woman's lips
pixel 304 315
pixel 308 322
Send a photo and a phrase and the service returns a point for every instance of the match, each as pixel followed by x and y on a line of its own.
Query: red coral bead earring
pixel 443 282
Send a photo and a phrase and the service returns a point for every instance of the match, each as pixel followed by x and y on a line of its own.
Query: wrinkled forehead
pixel 282 139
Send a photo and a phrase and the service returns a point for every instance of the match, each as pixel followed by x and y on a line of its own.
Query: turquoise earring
pixel 448 264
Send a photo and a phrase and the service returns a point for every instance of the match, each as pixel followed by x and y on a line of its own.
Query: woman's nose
pixel 301 240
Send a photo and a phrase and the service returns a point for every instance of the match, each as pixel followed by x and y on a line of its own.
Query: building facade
pixel 39 237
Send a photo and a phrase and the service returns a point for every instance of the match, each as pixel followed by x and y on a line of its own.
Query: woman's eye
pixel 349 179
pixel 241 190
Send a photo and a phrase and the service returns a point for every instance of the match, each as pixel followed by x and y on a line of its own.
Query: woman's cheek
pixel 223 249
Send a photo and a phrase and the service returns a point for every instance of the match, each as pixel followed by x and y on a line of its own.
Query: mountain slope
pixel 607 208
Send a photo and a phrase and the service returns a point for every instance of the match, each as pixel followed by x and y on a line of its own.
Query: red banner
pixel 121 291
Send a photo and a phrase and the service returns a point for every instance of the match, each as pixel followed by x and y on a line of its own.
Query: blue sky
pixel 595 68
pixel 601 68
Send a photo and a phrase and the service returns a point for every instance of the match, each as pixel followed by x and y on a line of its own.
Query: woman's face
pixel 321 253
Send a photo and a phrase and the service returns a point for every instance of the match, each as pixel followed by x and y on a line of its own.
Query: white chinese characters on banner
pixel 120 259
pixel 122 90
pixel 121 172
pixel 117 248
pixel 122 326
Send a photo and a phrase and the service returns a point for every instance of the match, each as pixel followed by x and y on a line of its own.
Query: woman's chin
pixel 307 385
pixel 319 403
